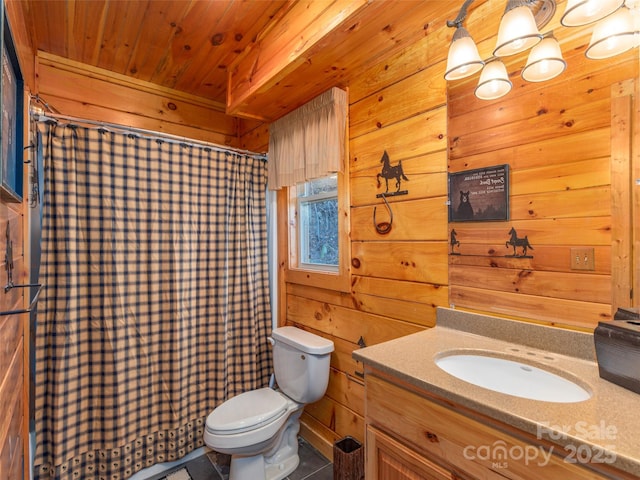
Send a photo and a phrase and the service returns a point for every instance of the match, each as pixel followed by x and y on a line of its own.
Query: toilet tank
pixel 301 363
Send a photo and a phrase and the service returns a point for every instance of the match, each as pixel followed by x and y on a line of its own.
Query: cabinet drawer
pixel 454 439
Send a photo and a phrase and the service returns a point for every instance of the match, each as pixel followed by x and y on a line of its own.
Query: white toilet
pixel 259 429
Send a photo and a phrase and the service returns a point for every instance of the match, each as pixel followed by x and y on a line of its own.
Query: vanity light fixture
pixel 518 31
pixel 616 30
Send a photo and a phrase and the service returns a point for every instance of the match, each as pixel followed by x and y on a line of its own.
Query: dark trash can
pixel 348 459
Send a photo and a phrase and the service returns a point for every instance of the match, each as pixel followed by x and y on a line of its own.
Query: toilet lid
pixel 247 411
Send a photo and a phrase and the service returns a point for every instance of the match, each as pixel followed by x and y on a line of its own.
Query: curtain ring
pixel 383 227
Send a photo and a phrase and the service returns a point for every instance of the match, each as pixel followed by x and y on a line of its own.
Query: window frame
pixel 337 278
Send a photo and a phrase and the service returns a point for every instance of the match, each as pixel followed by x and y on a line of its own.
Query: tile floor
pixel 313 466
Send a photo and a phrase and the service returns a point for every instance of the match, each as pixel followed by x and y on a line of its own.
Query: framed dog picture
pixel 479 195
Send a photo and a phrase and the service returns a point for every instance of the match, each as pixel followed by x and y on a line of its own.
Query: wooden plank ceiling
pixel 255 58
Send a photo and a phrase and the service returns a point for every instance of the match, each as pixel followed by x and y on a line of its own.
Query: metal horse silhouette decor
pixel 454 242
pixel 388 172
pixel 515 242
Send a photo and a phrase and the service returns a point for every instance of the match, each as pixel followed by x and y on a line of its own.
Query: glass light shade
pixel 613 35
pixel 518 30
pixel 545 61
pixel 494 81
pixel 463 59
pixel 634 6
pixel 583 12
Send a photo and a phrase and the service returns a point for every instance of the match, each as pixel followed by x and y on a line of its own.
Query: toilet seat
pixel 247 411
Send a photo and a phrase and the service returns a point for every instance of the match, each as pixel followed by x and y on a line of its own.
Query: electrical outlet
pixel 582 258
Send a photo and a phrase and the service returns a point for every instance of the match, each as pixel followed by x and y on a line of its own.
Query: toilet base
pixel 246 468
pixel 278 461
pixel 283 469
pixel 252 468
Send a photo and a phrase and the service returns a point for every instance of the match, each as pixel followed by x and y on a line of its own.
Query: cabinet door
pixel 388 459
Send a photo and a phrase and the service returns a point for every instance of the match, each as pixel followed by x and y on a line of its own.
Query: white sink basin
pixel 512 377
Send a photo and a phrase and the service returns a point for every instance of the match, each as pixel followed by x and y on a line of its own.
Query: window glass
pixel 317 203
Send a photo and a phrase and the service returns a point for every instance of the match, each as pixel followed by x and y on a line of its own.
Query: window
pixel 318 232
pixel 317 206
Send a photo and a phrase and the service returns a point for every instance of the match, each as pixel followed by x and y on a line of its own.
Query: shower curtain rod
pixel 39 116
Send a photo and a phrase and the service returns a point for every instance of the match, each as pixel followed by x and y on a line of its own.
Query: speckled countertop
pixel 605 428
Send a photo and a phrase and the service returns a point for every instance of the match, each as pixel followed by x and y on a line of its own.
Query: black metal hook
pixel 383 227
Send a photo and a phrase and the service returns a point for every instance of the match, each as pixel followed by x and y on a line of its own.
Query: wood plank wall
pixel 14 351
pixel 79 90
pixel 14 333
pixel 557 139
pixel 14 330
pixel 559 151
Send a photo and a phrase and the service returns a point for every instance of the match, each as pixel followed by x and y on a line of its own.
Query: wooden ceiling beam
pixel 301 29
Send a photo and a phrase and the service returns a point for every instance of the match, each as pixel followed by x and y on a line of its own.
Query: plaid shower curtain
pixel 156 305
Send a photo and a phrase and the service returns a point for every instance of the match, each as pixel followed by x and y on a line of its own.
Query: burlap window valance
pixel 309 142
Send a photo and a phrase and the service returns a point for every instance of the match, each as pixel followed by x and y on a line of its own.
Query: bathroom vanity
pixel 425 423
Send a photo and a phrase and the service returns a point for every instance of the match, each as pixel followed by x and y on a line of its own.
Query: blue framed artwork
pixel 11 120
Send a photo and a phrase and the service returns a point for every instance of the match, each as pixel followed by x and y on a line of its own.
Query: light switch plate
pixel 582 258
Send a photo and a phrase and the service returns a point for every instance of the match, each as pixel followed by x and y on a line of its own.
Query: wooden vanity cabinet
pixel 411 435
pixel 391 460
